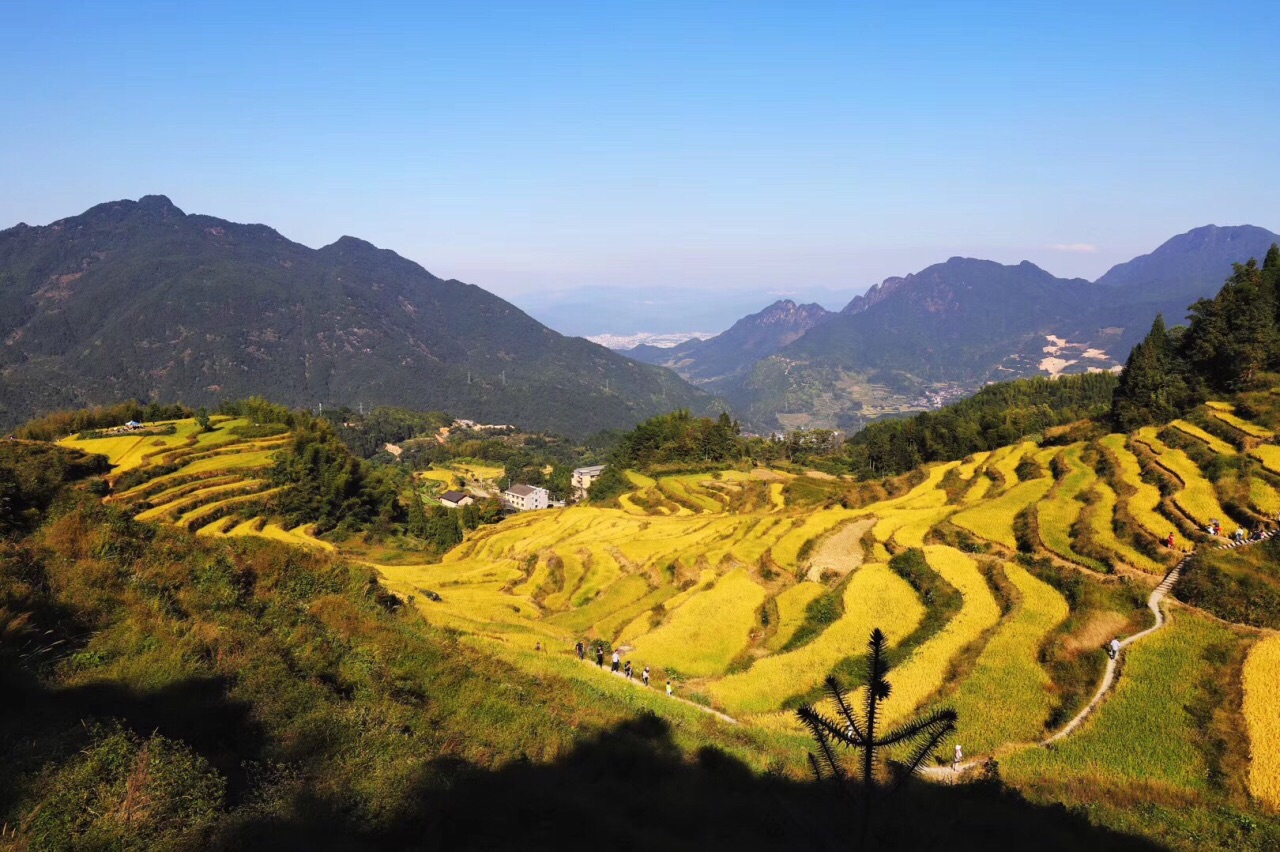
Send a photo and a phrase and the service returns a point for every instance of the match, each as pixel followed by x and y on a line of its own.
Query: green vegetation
pixel 1242 586
pixel 999 414
pixel 1231 340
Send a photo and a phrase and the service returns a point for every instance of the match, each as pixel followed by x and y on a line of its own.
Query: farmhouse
pixel 583 477
pixel 456 499
pixel 526 498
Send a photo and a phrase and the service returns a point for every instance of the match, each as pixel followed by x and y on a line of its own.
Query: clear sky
pixel 531 145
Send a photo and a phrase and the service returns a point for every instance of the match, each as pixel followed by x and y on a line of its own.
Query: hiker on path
pixel 955 761
pixel 616 661
pixel 1113 650
pixel 669 692
pixel 579 649
pixel 645 676
pixel 1239 536
pixel 599 656
pixel 1169 541
pixel 627 669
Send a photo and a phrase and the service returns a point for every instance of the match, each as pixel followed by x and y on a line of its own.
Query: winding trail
pixel 954 772
pixel 638 683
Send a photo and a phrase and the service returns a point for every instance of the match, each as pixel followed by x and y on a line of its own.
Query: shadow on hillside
pixel 37 723
pixel 629 788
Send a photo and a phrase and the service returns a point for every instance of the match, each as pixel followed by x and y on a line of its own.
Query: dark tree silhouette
pixel 921 735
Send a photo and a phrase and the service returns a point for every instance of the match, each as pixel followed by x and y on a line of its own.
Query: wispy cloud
pixel 1075 248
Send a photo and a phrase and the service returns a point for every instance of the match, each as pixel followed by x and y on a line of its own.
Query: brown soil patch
pixel 1099 630
pixel 840 552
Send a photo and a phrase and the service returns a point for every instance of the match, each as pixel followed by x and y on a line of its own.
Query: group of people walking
pixel 1241 535
pixel 616 664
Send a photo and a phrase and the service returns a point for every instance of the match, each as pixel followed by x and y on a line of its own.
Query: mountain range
pixel 136 299
pixel 916 341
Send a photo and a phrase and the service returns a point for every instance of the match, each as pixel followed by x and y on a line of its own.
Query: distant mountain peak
pixel 346 241
pixel 157 201
pixel 1181 263
pixel 136 299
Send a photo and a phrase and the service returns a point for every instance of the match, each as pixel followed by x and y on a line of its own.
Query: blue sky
pixel 793 147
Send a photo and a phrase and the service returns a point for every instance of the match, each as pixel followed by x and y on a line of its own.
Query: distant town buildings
pixel 484 427
pixel 583 477
pixel 526 498
pixel 456 499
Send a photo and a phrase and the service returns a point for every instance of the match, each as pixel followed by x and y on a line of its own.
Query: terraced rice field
pixel 1225 412
pixel 1142 733
pixel 924 671
pixel 1262 713
pixel 873 591
pixel 1146 497
pixel 1101 530
pixel 1269 455
pixel 791 608
pixel 709 578
pixel 1058 512
pixel 1007 697
pixel 1211 441
pixel 705 633
pixel 218 478
pixel 993 519
pixel 1197 497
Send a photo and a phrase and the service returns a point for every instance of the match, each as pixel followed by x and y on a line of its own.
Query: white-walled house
pixel 456 499
pixel 583 477
pixel 526 498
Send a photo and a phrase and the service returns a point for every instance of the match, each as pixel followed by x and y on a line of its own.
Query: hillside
pixel 915 342
pixel 997 577
pixel 140 300
pixel 172 691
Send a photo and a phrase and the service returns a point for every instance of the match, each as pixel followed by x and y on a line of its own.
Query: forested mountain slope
pixel 920 340
pixel 137 299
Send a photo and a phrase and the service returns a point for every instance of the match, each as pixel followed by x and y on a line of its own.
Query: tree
pixel 862 734
pixel 1152 389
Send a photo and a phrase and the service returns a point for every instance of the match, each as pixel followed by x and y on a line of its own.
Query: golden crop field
pixel 1269 455
pixel 1262 713
pixel 993 519
pixel 1056 514
pixel 217 473
pixel 791 607
pixel 924 672
pixel 1213 442
pixel 1146 497
pixel 1225 412
pixel 1263 497
pixel 1197 497
pixel 1141 733
pixel 1103 533
pixel 1007 696
pixel 710 577
pixel 705 633
pixel 1007 463
pixel 873 593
